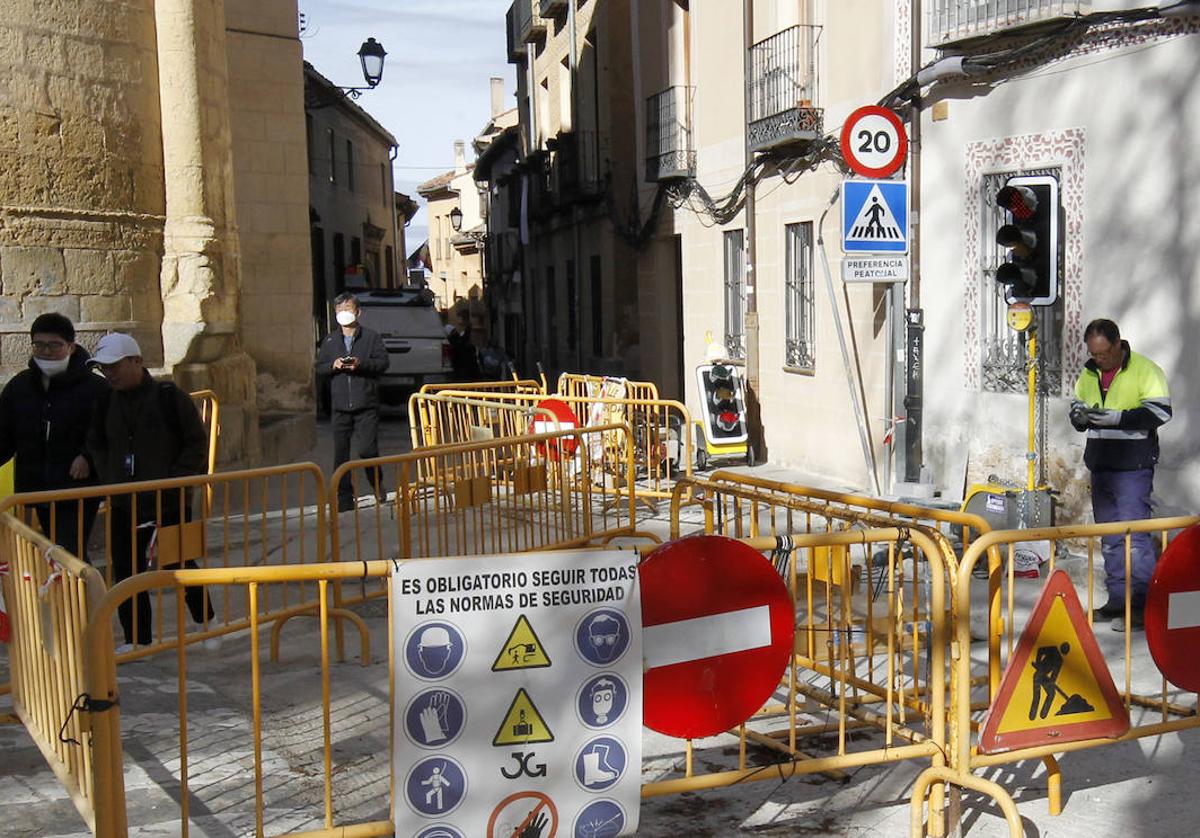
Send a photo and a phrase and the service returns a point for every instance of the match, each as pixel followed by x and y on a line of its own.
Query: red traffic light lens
pixel 1019 200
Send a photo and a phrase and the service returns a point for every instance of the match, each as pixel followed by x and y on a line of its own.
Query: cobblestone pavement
pixel 1137 788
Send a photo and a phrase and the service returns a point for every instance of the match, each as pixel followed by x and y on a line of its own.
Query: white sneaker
pixel 213 644
pixel 124 649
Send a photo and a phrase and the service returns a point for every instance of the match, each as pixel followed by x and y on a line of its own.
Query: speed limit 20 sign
pixel 874 143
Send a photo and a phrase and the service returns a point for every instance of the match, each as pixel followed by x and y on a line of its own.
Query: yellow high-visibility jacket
pixel 1139 391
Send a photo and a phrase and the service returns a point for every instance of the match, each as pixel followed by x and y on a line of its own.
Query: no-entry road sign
pixel 874 143
pixel 564 420
pixel 717 634
pixel 1173 611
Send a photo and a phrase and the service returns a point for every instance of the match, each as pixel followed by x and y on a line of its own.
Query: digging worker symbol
pixel 1047 666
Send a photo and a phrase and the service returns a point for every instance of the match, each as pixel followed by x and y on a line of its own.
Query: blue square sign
pixel 875 216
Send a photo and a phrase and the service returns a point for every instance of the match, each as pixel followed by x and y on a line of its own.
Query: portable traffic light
pixel 1030 273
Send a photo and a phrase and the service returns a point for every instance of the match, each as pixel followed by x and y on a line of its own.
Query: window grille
pixel 800 345
pixel 735 295
pixel 951 20
pixel 1003 353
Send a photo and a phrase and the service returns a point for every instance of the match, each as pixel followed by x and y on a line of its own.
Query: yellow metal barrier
pixel 210 414
pixel 233 519
pixel 593 386
pixel 49 596
pixel 507 495
pixel 1161 711
pixel 439 419
pixel 504 386
pixel 662 445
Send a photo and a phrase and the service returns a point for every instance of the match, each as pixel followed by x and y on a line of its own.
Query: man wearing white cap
pixel 143 430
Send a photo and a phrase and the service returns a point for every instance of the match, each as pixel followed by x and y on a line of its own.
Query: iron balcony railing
pixel 530 25
pixel 782 88
pixel 552 8
pixel 575 170
pixel 669 152
pixel 953 20
pixel 516 47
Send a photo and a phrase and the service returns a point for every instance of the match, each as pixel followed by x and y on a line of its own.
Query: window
pixel 308 142
pixel 350 165
pixel 1003 352
pixel 800 343
pixel 355 251
pixel 572 304
pixel 597 308
pixel 332 155
pixel 383 184
pixel 735 295
pixel 339 260
pixel 390 266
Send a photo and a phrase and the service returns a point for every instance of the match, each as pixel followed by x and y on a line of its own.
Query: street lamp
pixel 456 219
pixel 371 54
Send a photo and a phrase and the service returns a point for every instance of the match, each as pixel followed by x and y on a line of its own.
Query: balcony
pixel 782 89
pixel 530 27
pixel 516 47
pixel 958 20
pixel 553 8
pixel 669 152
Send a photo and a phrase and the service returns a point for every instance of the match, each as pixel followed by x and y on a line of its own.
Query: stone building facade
pixel 153 180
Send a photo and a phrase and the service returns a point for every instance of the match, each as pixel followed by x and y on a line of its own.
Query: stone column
pixel 200 277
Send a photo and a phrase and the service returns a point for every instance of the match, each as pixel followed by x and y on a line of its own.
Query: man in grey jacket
pixel 355 357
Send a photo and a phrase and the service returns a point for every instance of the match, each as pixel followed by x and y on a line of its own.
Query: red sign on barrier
pixel 566 421
pixel 1173 611
pixel 717 626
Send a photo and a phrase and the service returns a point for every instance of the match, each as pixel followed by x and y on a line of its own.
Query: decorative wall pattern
pixel 903 44
pixel 1063 148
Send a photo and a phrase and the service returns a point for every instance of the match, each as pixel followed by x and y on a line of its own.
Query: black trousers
pixel 62 525
pixel 128 553
pixel 359 428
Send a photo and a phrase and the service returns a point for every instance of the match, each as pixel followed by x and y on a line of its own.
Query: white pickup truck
pixel 414 336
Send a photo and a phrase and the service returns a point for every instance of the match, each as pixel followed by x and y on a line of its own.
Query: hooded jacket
pixel 1139 392
pixel 44 425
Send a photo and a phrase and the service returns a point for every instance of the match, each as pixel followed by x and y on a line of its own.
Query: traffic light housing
pixel 1031 234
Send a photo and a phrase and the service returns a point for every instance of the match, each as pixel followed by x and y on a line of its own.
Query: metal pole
pixel 753 407
pixel 580 151
pixel 859 414
pixel 913 398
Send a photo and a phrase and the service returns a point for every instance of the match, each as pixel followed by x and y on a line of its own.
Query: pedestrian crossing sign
pixel 1056 687
pixel 875 216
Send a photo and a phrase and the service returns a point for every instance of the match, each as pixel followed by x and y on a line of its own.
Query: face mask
pixel 346 318
pixel 52 368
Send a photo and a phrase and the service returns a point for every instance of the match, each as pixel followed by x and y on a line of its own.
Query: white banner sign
pixel 518 696
pixel 875 269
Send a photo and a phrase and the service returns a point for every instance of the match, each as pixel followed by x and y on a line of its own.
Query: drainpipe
pixel 399 276
pixel 753 407
pixel 914 395
pixel 573 74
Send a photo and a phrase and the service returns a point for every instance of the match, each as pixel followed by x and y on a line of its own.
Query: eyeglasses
pixel 605 639
pixel 48 345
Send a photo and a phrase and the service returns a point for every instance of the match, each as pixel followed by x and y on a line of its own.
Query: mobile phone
pixel 349 359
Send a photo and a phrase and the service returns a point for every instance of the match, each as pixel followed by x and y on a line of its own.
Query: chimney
pixel 460 157
pixel 497 96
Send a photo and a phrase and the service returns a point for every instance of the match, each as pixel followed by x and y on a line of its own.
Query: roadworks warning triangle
pixel 522 650
pixel 1056 687
pixel 875 222
pixel 523 724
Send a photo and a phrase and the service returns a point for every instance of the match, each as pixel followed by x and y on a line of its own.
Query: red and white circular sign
pixel 1173 611
pixel 874 142
pixel 717 627
pixel 566 421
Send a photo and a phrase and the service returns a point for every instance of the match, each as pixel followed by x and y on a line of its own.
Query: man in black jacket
pixel 44 415
pixel 145 430
pixel 356 358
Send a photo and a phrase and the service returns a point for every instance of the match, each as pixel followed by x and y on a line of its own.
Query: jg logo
pixel 523 767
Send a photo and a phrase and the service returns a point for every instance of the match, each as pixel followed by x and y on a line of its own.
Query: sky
pixel 435 90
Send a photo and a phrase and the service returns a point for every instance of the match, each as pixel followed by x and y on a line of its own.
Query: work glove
pixel 1079 416
pixel 1100 418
